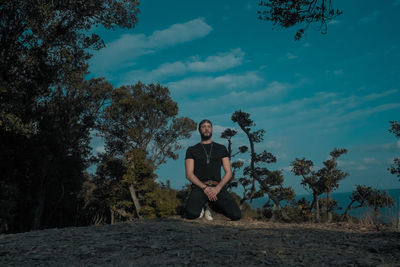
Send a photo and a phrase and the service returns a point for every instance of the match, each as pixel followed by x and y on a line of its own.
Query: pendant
pixel 208 161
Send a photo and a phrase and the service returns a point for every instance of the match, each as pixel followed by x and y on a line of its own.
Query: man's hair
pixel 204 121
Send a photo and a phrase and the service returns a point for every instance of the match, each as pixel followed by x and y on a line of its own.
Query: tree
pixel 395 168
pixel 47 109
pixel 270 182
pixel 288 13
pixel 140 128
pixel 44 44
pixel 303 167
pixel 380 199
pixel 366 196
pixel 329 177
pixel 48 168
pixel 325 180
pixel 236 165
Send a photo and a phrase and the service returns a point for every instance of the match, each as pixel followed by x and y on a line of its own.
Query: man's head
pixel 205 129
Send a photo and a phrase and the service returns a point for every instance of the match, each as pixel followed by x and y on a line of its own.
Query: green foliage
pixel 228 134
pixel 47 109
pixel 141 129
pixel 366 196
pixel 269 182
pixel 395 129
pixel 46 44
pixel 325 180
pixel 288 13
pixel 160 202
pixel 380 199
pixel 144 117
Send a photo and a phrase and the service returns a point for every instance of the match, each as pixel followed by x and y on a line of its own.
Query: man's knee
pixel 235 215
pixel 191 214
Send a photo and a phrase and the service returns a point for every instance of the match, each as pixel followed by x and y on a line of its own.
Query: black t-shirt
pixel 202 170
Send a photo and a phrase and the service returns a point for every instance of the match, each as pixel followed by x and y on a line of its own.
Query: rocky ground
pixel 180 242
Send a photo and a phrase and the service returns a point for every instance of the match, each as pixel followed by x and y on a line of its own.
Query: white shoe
pixel 208 214
pixel 201 213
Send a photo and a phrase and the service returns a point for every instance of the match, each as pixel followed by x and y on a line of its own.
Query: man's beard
pixel 205 137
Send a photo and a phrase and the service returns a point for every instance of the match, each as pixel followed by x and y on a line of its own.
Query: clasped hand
pixel 212 192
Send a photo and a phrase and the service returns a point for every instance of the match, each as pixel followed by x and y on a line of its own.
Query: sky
pixel 326 91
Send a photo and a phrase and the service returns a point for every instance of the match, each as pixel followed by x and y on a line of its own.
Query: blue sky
pixel 324 91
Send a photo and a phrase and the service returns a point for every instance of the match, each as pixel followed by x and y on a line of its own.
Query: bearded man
pixel 203 163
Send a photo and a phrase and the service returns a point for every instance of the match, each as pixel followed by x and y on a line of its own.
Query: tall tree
pixel 395 129
pixel 228 134
pixel 48 168
pixel 46 107
pixel 330 176
pixel 45 43
pixel 304 168
pixel 269 182
pixel 143 118
pixel 288 13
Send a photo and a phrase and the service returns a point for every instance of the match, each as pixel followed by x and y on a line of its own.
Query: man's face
pixel 206 131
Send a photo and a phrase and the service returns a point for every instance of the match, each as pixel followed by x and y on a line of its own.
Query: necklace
pixel 208 157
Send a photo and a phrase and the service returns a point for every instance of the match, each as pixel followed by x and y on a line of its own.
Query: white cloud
pixel 275 88
pixel 217 131
pixel 370 17
pixel 369 111
pixel 219 62
pixel 374 96
pixel 207 83
pixel 237 99
pixel 338 72
pixel 333 22
pixel 272 144
pixel 325 109
pixel 376 148
pixel 180 33
pixel 370 160
pixel 129 46
pixel 351 165
pixel 272 90
pixel 290 56
pixel 249 5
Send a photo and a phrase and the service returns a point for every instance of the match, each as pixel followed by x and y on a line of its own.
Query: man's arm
pixel 189 168
pixel 226 164
pixel 212 192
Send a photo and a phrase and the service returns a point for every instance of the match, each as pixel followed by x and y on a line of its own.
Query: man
pixel 203 168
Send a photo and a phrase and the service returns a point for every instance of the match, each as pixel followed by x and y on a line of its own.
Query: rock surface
pixel 180 242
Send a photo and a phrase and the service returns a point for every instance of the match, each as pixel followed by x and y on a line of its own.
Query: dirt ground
pixel 180 242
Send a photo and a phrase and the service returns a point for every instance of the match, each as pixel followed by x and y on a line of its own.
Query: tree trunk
pixel 345 214
pixel 38 208
pixel 112 216
pixel 315 205
pixel 317 216
pixel 49 217
pixel 282 211
pixel 135 200
pixel 328 208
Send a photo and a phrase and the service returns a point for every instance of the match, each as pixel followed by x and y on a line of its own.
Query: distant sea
pixel 343 199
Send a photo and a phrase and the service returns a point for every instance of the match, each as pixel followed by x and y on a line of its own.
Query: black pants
pixel 225 204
